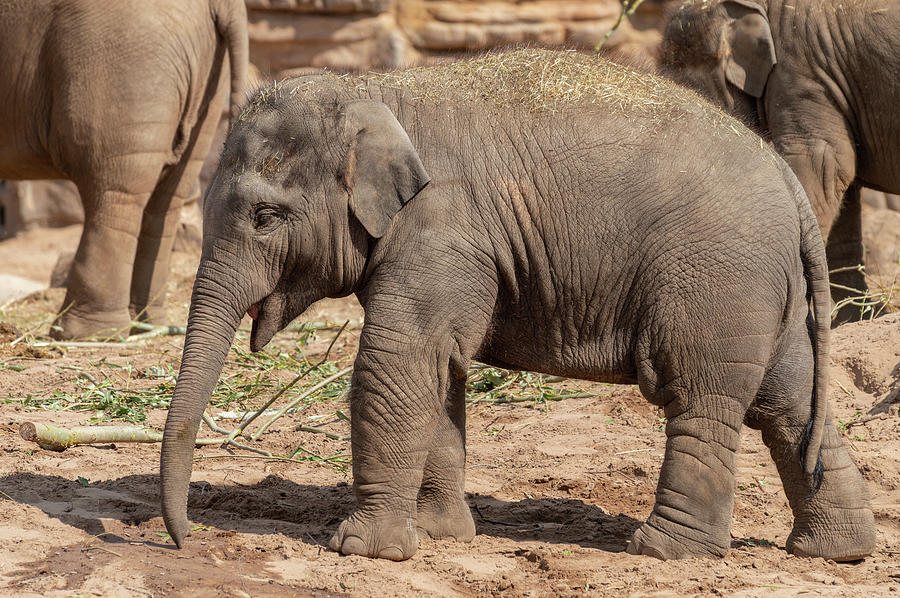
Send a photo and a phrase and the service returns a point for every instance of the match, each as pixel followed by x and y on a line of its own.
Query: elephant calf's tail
pixel 230 17
pixel 815 267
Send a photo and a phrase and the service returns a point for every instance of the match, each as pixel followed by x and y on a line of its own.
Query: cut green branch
pixel 59 439
pixel 300 399
pixel 326 433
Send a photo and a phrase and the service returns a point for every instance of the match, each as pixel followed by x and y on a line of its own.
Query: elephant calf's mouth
pixel 253 311
pixel 268 318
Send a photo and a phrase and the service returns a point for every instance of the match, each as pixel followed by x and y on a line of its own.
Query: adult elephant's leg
pixel 96 302
pixel 441 510
pixel 825 164
pixel 845 256
pixel 395 404
pixel 835 521
pixel 161 217
pixel 159 225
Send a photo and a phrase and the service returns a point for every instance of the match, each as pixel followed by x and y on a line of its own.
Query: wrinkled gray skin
pixel 590 241
pixel 821 79
pixel 123 99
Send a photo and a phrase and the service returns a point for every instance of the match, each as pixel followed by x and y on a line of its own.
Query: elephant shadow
pixel 552 520
pixel 309 513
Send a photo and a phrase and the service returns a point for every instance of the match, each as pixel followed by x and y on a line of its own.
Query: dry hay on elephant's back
pixel 537 80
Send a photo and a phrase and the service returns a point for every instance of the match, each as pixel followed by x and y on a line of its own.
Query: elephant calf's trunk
pixel 210 332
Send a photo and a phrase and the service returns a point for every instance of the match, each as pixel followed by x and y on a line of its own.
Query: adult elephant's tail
pixel 815 267
pixel 230 17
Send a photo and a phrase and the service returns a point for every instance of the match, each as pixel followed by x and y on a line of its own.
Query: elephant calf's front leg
pixel 441 509
pixel 393 418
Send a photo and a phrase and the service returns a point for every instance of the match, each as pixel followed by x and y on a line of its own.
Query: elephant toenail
pixel 391 553
pixel 354 545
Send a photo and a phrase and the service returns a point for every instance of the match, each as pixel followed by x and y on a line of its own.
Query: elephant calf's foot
pixel 76 324
pixel 386 537
pixel 438 522
pixel 651 539
pixel 836 521
pixel 844 535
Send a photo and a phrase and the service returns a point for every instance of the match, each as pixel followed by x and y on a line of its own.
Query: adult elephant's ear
pixel 382 170
pixel 750 53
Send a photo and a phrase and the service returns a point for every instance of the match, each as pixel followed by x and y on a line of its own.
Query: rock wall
pixel 289 36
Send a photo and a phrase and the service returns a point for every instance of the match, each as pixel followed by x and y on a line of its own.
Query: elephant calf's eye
pixel 267 218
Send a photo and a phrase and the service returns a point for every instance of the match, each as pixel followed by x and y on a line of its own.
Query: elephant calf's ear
pixel 751 53
pixel 383 170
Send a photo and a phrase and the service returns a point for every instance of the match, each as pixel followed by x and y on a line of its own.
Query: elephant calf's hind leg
pixel 695 495
pixel 834 522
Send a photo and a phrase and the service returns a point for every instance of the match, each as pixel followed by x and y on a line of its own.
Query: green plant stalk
pixel 243 425
pixel 581 395
pixel 628 8
pixel 299 399
pixel 326 433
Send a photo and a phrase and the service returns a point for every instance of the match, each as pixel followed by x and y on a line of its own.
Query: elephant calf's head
pixel 301 192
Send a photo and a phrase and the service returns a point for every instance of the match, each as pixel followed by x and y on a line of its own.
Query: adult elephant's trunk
pixel 213 320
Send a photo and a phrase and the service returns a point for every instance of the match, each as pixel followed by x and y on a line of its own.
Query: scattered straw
pixel 532 79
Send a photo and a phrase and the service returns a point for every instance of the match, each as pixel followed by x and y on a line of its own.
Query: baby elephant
pixel 538 210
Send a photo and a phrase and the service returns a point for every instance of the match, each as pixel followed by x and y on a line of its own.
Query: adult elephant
pixel 582 220
pixel 122 98
pixel 820 78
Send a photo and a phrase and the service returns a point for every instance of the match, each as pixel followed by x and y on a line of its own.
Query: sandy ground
pixel 556 492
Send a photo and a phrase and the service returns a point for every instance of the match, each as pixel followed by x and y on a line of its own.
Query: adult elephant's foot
pixel 438 521
pixel 76 323
pixel 385 536
pixel 664 540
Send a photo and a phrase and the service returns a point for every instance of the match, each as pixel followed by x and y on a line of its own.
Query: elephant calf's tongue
pixel 253 311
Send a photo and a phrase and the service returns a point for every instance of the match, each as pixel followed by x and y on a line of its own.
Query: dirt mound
pixel 9 332
pixel 881 237
pixel 866 365
pixel 865 399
